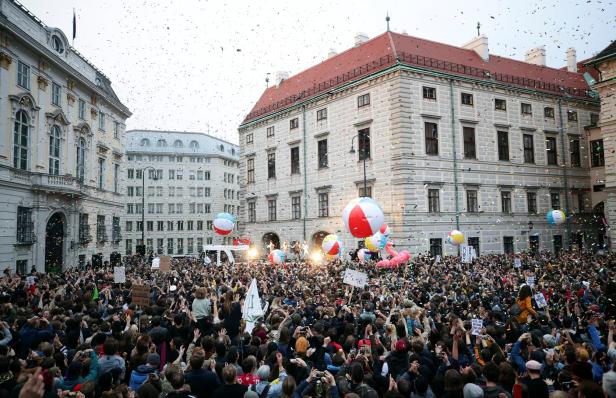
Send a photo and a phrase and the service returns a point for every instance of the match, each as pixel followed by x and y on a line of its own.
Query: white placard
pixel 119 274
pixel 437 259
pixel 476 326
pixel 355 278
pixel 156 263
pixel 530 281
pixel 517 263
pixel 30 280
pixel 540 300
pixel 467 253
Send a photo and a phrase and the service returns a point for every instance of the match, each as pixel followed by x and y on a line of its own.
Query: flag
pixel 95 294
pixel 252 306
pixel 74 24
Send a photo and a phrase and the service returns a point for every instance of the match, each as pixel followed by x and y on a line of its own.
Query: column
pixel 5 125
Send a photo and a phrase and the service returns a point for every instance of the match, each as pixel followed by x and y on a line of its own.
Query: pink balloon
pixel 383 264
pixel 390 250
pixel 406 255
pixel 395 261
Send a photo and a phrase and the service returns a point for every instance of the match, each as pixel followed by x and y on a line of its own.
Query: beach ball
pixel 363 255
pixel 556 217
pixel 375 242
pixel 363 217
pixel 455 237
pixel 276 257
pixel 384 230
pixel 331 245
pixel 224 223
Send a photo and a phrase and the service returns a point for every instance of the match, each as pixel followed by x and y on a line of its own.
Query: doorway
pixel 54 243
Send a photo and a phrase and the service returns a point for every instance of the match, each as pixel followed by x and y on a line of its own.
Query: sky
pixel 197 65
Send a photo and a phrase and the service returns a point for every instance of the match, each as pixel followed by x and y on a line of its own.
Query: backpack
pixel 515 310
pixel 263 393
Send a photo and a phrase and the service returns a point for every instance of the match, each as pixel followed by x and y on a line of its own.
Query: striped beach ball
pixel 224 223
pixel 455 237
pixel 363 217
pixel 276 257
pixel 331 245
pixel 556 217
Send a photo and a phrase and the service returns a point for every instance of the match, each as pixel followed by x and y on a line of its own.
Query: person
pixel 524 304
pixel 111 362
pixel 537 388
pixel 202 380
pixel 74 376
pixel 202 310
pixel 230 388
pixel 176 379
pixel 492 389
pixel 141 374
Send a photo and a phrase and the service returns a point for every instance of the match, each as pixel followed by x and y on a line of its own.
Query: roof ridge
pixel 176 132
pixel 393 45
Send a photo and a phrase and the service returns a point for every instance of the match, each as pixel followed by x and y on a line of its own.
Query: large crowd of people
pixel 494 328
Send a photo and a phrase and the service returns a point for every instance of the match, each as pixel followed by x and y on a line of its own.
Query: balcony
pixel 57 184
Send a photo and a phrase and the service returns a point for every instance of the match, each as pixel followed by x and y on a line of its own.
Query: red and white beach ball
pixel 331 245
pixel 363 217
pixel 276 257
pixel 224 223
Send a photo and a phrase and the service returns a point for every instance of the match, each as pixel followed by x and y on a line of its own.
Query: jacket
pixel 140 375
pixel 527 309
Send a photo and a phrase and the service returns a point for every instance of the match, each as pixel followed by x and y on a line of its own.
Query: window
pixel 171 208
pixel 129 208
pixel 55 94
pixel 169 245
pixel 149 226
pixel 500 104
pixel 57 44
pixel 471 201
pixel 160 225
pixel 178 174
pixel 574 151
pixel 81 159
pixel 190 225
pixel 129 247
pixel 139 226
pixel 82 109
pixel 555 200
pixel 129 226
pixel 199 245
pixel 365 193
pixel 199 225
pixel 101 231
pixel 206 192
pixel 594 119
pixel 101 122
pixel 116 130
pixel 249 138
pixel 101 173
pixel 23 75
pixel 172 174
pixel 321 114
pixel 323 204
pixel 270 131
pixel 322 153
pixel 548 112
pixel 190 245
pixel 130 174
pixel 25 226
pixel 151 208
pixel 208 225
pixel 598 188
pixel 429 93
pixel 294 123
pixel 557 240
pixel 207 208
pixel 431 134
pixel 533 242
pixel 508 244
pixel 54 150
pixel 178 144
pixel 271 209
pixel 250 167
pixel 296 208
pixel 206 176
pixel 531 202
pixel 363 136
pixel 526 109
pixel 363 100
pixel 469 143
pixel 436 247
pixel 139 174
pixel 295 160
pixel 550 147
pixel 503 145
pixel 467 99
pixel 84 229
pixel 433 201
pixel 572 116
pixel 581 197
pixel 21 138
pixel 474 243
pixel 169 225
pixel 529 148
pixel 116 173
pixel 159 190
pixel 180 225
pixel 179 208
pixel 252 211
pixel 193 144
pixel 506 202
pixel 597 156
pixel 145 142
pixel 271 165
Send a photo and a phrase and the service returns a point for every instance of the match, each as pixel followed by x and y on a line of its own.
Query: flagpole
pixel 74 28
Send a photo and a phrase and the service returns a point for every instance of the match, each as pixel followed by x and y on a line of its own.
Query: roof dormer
pixel 57 41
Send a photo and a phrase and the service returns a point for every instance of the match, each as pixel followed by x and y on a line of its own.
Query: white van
pixel 226 252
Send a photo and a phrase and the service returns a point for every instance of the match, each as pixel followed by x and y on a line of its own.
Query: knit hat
pixel 263 372
pixel 472 391
pixel 153 359
pixel 301 345
pixel 549 340
pixel 400 345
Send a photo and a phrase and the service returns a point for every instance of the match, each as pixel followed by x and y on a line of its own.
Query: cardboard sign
pixel 119 274
pixel 540 300
pixel 437 259
pixel 517 263
pixel 355 278
pixel 164 264
pixel 141 295
pixel 530 281
pixel 476 326
pixel 156 263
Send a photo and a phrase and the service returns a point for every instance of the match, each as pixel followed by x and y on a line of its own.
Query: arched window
pixel 161 143
pixel 145 142
pixel 54 150
pixel 81 159
pixel 222 148
pixel 178 144
pixel 194 144
pixel 20 141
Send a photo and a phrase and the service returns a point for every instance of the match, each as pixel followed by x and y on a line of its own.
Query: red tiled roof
pixel 383 51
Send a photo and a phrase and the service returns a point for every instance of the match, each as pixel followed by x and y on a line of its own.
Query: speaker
pixel 116 259
pixel 141 250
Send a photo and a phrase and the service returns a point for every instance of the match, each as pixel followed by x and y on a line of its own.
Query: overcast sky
pixel 194 65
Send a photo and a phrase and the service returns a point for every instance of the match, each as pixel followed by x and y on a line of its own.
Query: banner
pixel 156 263
pixel 540 300
pixel 355 278
pixel 467 253
pixel 119 274
pixel 517 263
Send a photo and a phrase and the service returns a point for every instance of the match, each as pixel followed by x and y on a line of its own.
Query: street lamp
pixel 363 155
pixel 154 177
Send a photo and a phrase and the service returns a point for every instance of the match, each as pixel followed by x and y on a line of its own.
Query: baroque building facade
pixel 61 150
pixel 447 138
pixel 180 180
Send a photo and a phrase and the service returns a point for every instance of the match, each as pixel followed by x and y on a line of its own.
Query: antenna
pixel 478 26
pixel 267 80
pixel 387 20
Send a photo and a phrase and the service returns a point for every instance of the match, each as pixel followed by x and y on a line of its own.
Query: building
pixel 604 145
pixel 449 138
pixel 61 130
pixel 189 178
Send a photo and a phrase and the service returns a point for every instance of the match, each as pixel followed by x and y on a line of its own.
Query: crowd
pixel 433 328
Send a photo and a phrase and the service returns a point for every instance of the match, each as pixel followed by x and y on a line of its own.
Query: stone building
pixel 187 178
pixel 452 137
pixel 61 130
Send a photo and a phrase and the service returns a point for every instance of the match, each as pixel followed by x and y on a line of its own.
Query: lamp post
pixel 143 204
pixel 363 155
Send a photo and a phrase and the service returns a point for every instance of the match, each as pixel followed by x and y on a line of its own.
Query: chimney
pixel 360 38
pixel 331 53
pixel 536 56
pixel 280 76
pixel 480 45
pixel 571 60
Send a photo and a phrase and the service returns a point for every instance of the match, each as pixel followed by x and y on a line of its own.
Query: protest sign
pixel 517 263
pixel 156 263
pixel 476 326
pixel 530 281
pixel 540 300
pixel 355 278
pixel 119 274
pixel 164 264
pixel 141 295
